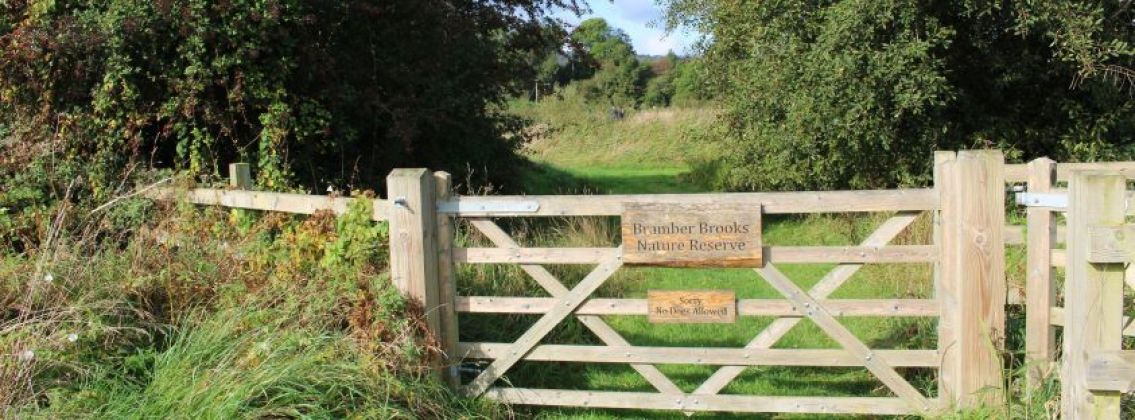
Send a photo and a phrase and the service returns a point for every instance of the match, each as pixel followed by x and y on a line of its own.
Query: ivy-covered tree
pixel 858 93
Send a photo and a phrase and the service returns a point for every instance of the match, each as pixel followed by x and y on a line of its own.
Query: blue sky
pixel 641 19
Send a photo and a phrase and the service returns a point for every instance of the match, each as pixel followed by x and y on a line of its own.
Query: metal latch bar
pixel 487 206
pixel 1059 201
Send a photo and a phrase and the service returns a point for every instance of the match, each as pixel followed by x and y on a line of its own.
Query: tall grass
pixel 216 314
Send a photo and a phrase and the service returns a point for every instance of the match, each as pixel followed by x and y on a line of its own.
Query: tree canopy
pixel 858 93
pixel 311 92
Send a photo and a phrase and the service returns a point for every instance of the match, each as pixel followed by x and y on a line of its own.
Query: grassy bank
pixel 208 313
pixel 652 150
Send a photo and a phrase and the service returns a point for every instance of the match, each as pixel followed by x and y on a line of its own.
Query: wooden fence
pixel 1094 369
pixel 967 253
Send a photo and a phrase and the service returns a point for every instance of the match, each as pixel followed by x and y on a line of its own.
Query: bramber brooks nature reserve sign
pixel 692 235
pixel 692 306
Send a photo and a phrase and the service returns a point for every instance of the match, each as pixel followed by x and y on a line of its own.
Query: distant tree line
pixel 604 67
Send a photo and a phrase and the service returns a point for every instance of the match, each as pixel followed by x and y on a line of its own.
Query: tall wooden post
pixel 1040 296
pixel 971 278
pixel 447 285
pixel 240 176
pixel 413 240
pixel 1093 293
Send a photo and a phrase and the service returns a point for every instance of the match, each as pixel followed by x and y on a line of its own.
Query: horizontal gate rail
pixel 1020 172
pixel 1111 371
pixel 745 307
pixel 267 201
pixel 700 355
pixel 774 254
pixel 772 203
pixel 688 403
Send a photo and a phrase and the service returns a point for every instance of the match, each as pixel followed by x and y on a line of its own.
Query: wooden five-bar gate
pixel 967 253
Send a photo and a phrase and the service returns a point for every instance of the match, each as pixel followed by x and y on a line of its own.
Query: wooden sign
pixel 691 306
pixel 692 235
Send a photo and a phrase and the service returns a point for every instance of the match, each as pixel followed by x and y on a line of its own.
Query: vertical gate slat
pixel 1040 338
pixel 1093 293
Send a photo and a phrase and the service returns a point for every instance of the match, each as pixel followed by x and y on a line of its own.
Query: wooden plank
pixel 745 307
pixel 413 243
pixel 700 355
pixel 533 255
pixel 945 288
pixel 772 203
pixel 776 254
pixel 240 176
pixel 691 235
pixel 1064 171
pixel 826 286
pixel 1015 235
pixel 1059 258
pixel 1057 319
pixel 1112 370
pixel 1111 244
pixel 975 299
pixel 691 403
pixel 1056 316
pixel 596 324
pixel 447 284
pixel 1019 172
pixel 691 306
pixel 1040 336
pixel 1093 302
pixel 528 340
pixel 852 254
pixel 840 334
pixel 266 201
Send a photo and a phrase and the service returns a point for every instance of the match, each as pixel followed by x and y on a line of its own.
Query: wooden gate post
pixel 1093 293
pixel 447 285
pixel 413 241
pixel 971 276
pixel 1040 296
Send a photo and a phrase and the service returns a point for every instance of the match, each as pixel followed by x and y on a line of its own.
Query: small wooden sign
pixel 691 306
pixel 692 235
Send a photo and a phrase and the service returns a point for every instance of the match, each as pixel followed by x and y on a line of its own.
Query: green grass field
pixel 653 154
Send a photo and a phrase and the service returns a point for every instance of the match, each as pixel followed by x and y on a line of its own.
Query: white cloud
pixel 658 44
pixel 639 11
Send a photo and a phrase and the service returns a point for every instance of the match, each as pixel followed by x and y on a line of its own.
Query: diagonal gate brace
pixel 564 307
